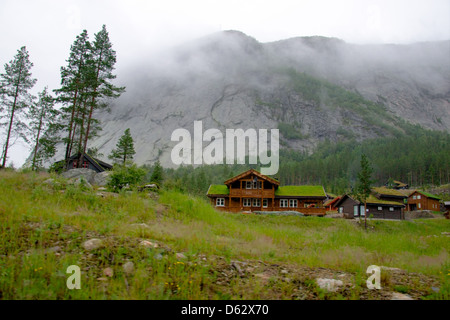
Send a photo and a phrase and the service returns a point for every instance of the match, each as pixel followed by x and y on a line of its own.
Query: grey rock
pixel 92 244
pixel 75 174
pixel 81 182
pixel 148 244
pixel 180 256
pixel 128 267
pixel 109 272
pixel 101 179
pixel 400 296
pixel 330 285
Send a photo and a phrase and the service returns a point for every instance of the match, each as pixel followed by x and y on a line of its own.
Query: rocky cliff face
pixel 312 89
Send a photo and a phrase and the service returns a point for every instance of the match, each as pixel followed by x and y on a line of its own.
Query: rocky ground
pixel 237 278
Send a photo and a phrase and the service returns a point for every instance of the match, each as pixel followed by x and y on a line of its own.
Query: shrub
pixel 123 176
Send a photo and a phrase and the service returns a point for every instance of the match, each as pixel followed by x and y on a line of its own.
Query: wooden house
pixel 397 185
pixel 420 200
pixel 253 191
pixel 88 162
pixel 330 205
pixel 387 194
pixel 447 209
pixel 378 208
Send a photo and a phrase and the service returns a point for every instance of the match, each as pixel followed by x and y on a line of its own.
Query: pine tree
pixel 102 65
pixel 15 83
pixel 364 186
pixel 72 94
pixel 124 148
pixel 44 119
pixel 157 174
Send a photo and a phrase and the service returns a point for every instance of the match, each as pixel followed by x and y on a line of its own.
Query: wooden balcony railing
pixel 257 193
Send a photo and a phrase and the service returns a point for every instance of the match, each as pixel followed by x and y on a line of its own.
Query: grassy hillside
pixel 195 252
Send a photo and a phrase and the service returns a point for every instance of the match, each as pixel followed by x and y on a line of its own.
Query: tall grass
pixel 34 218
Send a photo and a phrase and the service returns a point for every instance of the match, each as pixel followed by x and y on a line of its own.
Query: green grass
pixel 35 218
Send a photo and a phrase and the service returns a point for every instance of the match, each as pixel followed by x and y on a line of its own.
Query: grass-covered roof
pixel 389 192
pixel 300 191
pixel 218 189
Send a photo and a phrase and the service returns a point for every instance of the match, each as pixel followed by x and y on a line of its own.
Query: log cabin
pixel 387 194
pixel 420 200
pixel 378 208
pixel 88 162
pixel 252 191
pixel 397 185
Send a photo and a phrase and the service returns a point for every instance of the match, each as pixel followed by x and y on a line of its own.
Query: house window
pixel 85 164
pixel 255 184
pixel 284 203
pixel 257 202
pixel 391 208
pixel 419 205
pixel 293 203
pixel 248 185
pixel 220 202
pixel 265 203
pixel 380 208
pixel 361 210
pixel 355 211
pixel 247 202
pixel 414 197
pixel 418 196
pixel 259 184
pixel 341 209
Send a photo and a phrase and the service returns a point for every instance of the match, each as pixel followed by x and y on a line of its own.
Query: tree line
pixel 419 158
pixel 86 87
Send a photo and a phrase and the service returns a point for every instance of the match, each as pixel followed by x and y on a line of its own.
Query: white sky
pixel 49 27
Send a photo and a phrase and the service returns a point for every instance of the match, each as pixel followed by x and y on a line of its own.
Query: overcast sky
pixel 48 28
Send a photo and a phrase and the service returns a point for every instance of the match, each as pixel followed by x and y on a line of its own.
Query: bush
pixel 123 176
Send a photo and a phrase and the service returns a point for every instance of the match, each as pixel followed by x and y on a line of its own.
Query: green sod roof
pixel 389 192
pixel 300 191
pixel 374 200
pixel 429 195
pixel 220 189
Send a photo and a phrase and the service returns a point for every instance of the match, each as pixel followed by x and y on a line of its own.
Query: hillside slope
pixel 175 246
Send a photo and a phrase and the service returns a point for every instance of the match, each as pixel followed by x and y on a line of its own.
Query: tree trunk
pixel 37 140
pixel 92 102
pixel 81 138
pixel 69 142
pixel 11 120
pixel 365 214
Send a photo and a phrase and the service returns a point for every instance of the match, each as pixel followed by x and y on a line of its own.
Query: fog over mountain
pixel 311 88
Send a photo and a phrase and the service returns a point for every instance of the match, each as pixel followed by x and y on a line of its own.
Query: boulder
pixel 74 174
pixel 330 285
pixel 80 181
pixel 94 178
pixel 128 267
pixel 92 244
pixel 108 272
pixel 101 178
pixel 148 244
pixel 400 296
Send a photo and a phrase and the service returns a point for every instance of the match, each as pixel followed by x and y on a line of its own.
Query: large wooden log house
pixel 253 191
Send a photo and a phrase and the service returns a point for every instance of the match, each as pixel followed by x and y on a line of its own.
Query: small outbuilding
pixel 380 209
pixel 88 163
